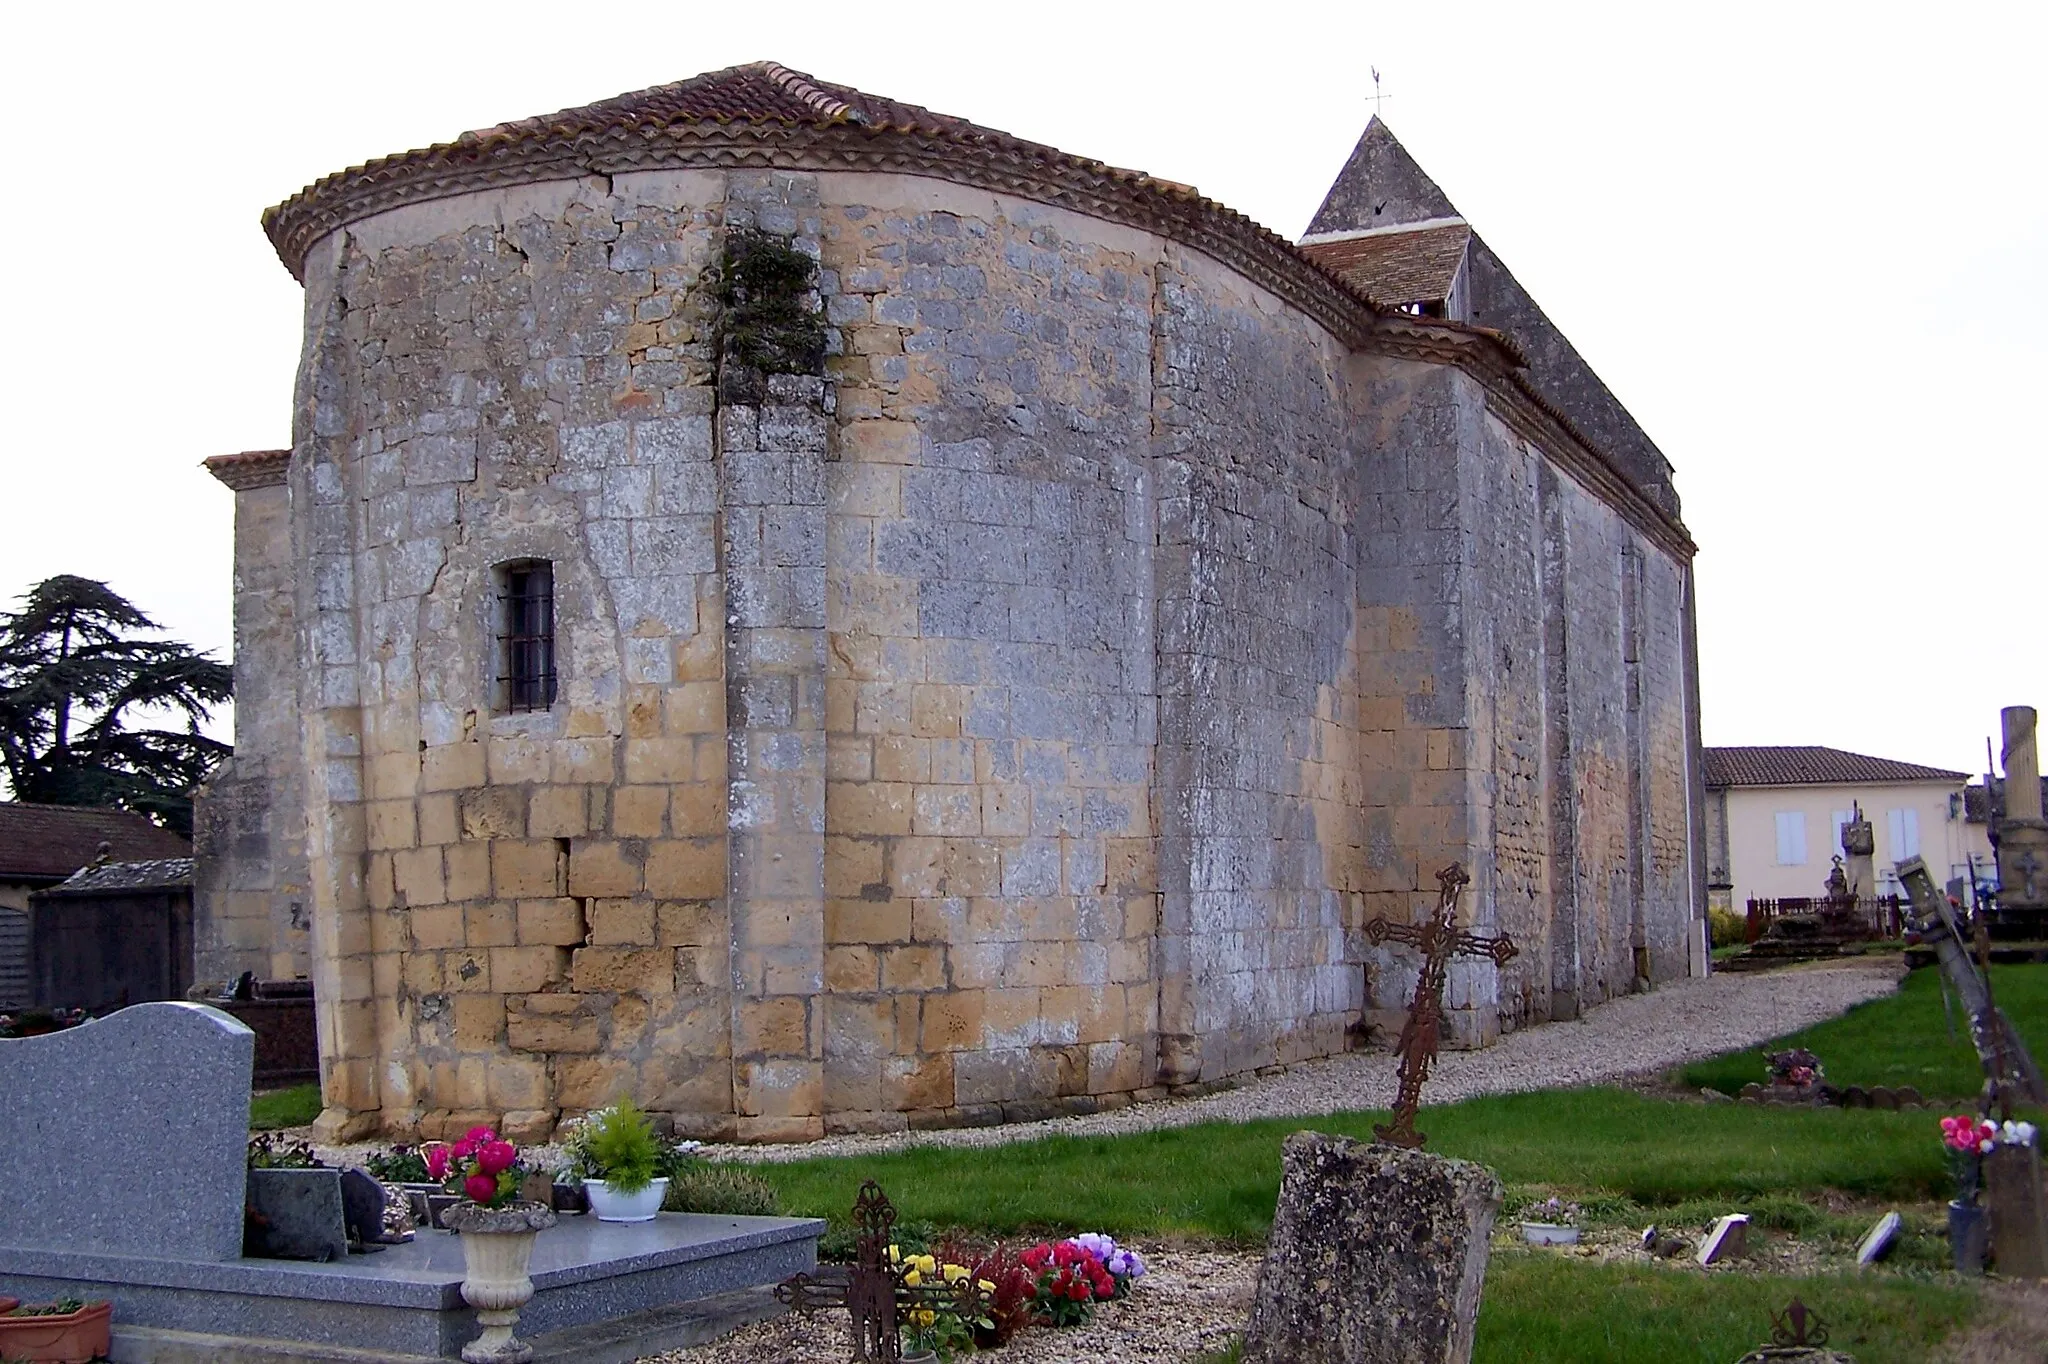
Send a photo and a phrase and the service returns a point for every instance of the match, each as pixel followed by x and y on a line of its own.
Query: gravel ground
pixel 1189 1303
pixel 1627 1038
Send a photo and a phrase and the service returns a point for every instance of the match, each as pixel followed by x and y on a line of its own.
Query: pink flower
pixel 495 1157
pixel 479 1135
pixel 436 1157
pixel 481 1188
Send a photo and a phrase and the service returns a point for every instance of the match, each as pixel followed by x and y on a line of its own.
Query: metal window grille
pixel 526 645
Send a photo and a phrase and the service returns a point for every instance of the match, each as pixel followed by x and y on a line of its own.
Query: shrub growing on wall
pixel 765 286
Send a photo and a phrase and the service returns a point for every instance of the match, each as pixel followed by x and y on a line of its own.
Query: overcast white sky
pixel 1806 244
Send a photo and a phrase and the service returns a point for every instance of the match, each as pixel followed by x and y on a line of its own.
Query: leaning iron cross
pixel 1438 940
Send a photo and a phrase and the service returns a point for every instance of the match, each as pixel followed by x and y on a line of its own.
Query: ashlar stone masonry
pixel 1020 716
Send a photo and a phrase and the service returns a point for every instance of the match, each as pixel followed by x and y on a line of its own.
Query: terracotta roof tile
pixel 50 842
pixel 250 468
pixel 1416 266
pixel 1811 765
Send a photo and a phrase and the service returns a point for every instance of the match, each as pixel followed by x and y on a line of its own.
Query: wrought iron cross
pixel 1438 940
pixel 873 1290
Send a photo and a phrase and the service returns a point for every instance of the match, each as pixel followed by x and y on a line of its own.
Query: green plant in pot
pixel 619 1158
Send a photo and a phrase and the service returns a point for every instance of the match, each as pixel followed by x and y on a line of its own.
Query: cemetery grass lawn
pixel 1545 1306
pixel 1218 1181
pixel 274 1108
pixel 1899 1040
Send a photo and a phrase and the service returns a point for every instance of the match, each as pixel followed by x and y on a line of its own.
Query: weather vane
pixel 1378 98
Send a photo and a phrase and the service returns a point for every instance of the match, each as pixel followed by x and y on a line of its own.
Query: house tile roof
pixel 1811 765
pixel 47 843
pixel 166 873
pixel 1413 266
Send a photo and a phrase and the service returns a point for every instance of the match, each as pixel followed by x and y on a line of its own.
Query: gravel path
pixel 1188 1303
pixel 1629 1037
pixel 1633 1036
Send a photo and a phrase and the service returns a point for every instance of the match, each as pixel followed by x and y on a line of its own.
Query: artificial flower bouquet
pixel 482 1167
pixel 1967 1140
pixel 944 1330
pixel 1071 1276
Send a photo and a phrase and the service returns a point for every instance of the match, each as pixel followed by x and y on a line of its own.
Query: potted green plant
pixel 616 1154
pixel 497 1231
pixel 65 1332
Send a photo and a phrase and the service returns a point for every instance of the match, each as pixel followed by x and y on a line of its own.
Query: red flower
pixel 1078 1291
pixel 436 1157
pixel 481 1188
pixel 495 1157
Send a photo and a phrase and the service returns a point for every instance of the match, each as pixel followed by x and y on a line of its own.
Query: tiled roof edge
pixel 250 468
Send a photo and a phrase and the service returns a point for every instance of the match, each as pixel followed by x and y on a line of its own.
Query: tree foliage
pixel 79 692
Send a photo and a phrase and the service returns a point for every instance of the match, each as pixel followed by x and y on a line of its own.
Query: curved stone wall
pixel 1020 718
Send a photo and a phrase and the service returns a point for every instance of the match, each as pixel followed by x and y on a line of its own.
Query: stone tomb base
pixel 603 1292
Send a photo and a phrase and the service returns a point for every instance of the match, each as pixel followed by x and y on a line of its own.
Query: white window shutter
pixel 1791 838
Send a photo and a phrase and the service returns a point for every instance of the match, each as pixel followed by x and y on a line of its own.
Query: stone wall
pixel 248 831
pixel 1021 717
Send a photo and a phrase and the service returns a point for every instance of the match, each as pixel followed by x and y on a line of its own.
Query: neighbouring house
pixel 826 617
pixel 1775 814
pixel 43 845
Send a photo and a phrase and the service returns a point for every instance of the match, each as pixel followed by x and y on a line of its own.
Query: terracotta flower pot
pixel 74 1338
pixel 497 1247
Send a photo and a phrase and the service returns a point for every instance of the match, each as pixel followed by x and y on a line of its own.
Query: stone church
pixel 826 617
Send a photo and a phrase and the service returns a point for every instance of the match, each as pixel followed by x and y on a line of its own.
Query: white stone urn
pixel 497 1246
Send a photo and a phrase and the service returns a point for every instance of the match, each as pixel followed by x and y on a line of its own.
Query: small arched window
pixel 526 634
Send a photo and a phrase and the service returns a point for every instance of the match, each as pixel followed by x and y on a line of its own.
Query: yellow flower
pixel 912 1278
pixel 928 1263
pixel 955 1273
pixel 895 1256
pixel 984 1285
pixel 926 1318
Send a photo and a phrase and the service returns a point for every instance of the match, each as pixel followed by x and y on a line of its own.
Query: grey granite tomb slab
pixel 128 1135
pixel 408 1300
pixel 1377 1256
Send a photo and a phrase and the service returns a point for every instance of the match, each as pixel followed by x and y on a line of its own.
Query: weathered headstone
pixel 128 1134
pixel 2019 1214
pixel 1377 1256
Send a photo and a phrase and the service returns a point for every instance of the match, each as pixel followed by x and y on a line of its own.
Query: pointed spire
pixel 1380 186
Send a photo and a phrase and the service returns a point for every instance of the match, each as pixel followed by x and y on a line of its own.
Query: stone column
pixel 771 476
pixel 2022 834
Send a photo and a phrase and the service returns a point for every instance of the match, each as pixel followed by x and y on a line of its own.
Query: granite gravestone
pixel 1378 1255
pixel 129 1135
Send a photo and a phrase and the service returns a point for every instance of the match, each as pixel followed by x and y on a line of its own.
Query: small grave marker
pixel 1880 1241
pixel 1727 1241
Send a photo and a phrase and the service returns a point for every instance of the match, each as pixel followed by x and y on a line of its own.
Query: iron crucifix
pixel 1438 940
